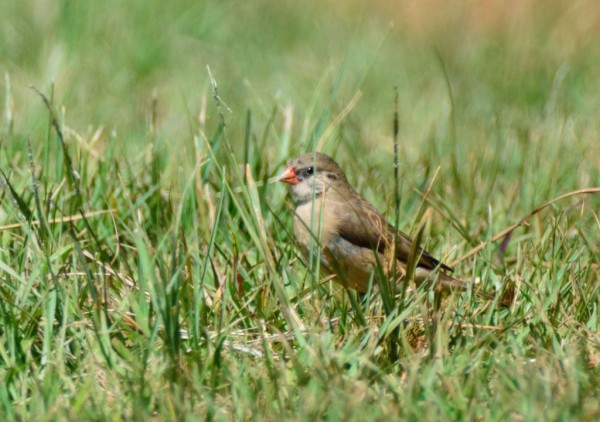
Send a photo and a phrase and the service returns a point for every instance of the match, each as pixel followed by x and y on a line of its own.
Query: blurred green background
pixel 484 76
pixel 505 61
pixel 482 85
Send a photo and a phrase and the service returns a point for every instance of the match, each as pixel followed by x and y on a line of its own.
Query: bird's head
pixel 312 174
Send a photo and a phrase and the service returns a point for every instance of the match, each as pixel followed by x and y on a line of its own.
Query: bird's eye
pixel 310 170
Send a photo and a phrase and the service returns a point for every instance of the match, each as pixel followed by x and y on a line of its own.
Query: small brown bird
pixel 353 237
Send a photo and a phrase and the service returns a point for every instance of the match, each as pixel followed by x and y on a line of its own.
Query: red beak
pixel 289 176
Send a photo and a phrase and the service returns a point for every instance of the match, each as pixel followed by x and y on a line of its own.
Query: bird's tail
pixel 446 283
pixel 442 280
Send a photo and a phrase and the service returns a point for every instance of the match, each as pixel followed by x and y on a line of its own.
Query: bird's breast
pixel 315 223
pixel 316 227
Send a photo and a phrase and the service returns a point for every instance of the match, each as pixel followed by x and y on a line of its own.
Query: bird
pixel 350 235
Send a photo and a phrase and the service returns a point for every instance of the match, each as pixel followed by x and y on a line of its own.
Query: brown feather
pixel 354 236
pixel 364 226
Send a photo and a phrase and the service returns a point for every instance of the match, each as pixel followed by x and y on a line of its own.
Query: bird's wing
pixel 361 224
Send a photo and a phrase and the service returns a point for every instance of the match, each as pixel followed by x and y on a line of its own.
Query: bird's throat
pixel 307 199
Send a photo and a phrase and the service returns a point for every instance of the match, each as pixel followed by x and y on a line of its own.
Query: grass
pixel 147 272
